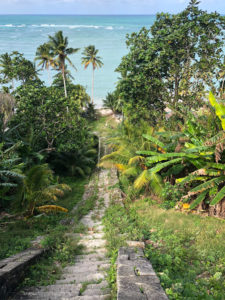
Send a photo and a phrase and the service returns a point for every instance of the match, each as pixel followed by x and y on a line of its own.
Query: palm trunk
pixel 222 88
pixel 93 85
pixel 49 77
pixel 64 81
pixel 13 86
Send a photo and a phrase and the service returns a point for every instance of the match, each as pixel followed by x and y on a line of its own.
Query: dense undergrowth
pixel 15 235
pixel 61 248
pixel 186 251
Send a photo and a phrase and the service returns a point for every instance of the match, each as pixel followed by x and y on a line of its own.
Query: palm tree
pixel 38 189
pixel 90 57
pixel 59 47
pixel 45 56
pixel 6 66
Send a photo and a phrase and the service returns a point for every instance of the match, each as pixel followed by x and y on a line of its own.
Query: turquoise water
pixel 24 33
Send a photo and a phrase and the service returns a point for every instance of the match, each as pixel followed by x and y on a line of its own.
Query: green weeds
pixel 186 250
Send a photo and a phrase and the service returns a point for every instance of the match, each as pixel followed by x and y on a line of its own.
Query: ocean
pixel 24 33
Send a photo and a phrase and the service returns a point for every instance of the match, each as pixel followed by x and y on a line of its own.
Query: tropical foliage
pixel 90 57
pixel 171 63
pixel 43 129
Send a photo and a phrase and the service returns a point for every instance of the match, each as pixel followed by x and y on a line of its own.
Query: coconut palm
pixel 6 66
pixel 59 47
pixel 45 56
pixel 90 57
pixel 38 189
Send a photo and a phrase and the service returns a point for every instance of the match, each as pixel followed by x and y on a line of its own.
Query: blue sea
pixel 24 33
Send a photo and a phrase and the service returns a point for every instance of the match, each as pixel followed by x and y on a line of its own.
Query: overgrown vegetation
pixel 169 152
pixel 187 251
pixel 47 149
pixel 172 137
pixel 17 232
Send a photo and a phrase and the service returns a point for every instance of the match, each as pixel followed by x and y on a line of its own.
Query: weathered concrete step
pixel 81 268
pixel 102 285
pixel 46 295
pixel 85 297
pixel 82 277
pixel 96 291
pixel 136 278
pixel 91 235
pixel 92 244
pixel 92 259
pixel 50 292
pixel 94 251
pixel 98 228
pixel 93 297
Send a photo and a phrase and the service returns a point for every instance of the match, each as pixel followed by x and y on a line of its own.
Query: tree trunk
pixel 64 81
pixel 222 88
pixel 176 95
pixel 49 77
pixel 93 85
pixel 218 210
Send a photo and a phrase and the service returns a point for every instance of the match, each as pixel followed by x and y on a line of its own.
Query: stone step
pixel 46 297
pixel 102 285
pixel 96 291
pixel 82 267
pixel 94 251
pixel 93 297
pixel 92 244
pixel 90 236
pixel 91 257
pixel 81 277
pixel 55 288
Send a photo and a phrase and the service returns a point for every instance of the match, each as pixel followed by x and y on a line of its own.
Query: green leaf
pixel 147 152
pixel 154 140
pixel 208 184
pixel 198 200
pixel 218 197
pixel 161 166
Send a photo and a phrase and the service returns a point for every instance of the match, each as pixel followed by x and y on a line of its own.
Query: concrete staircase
pixel 86 278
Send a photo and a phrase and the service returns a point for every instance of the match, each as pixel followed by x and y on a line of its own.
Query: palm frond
pixel 142 180
pixel 136 159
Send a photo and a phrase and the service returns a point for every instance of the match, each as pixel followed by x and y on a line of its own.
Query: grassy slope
pixel 16 235
pixel 186 250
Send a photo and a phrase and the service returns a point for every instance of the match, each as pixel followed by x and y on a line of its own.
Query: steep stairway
pixel 86 278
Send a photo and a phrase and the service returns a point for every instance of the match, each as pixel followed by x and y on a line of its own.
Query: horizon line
pixel 30 14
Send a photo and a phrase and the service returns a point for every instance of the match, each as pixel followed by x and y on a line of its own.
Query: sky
pixel 108 7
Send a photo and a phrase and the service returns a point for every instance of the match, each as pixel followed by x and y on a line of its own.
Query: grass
pixel 62 248
pixel 186 250
pixel 16 235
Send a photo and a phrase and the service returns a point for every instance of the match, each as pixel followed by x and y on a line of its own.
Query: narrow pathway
pixel 86 279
